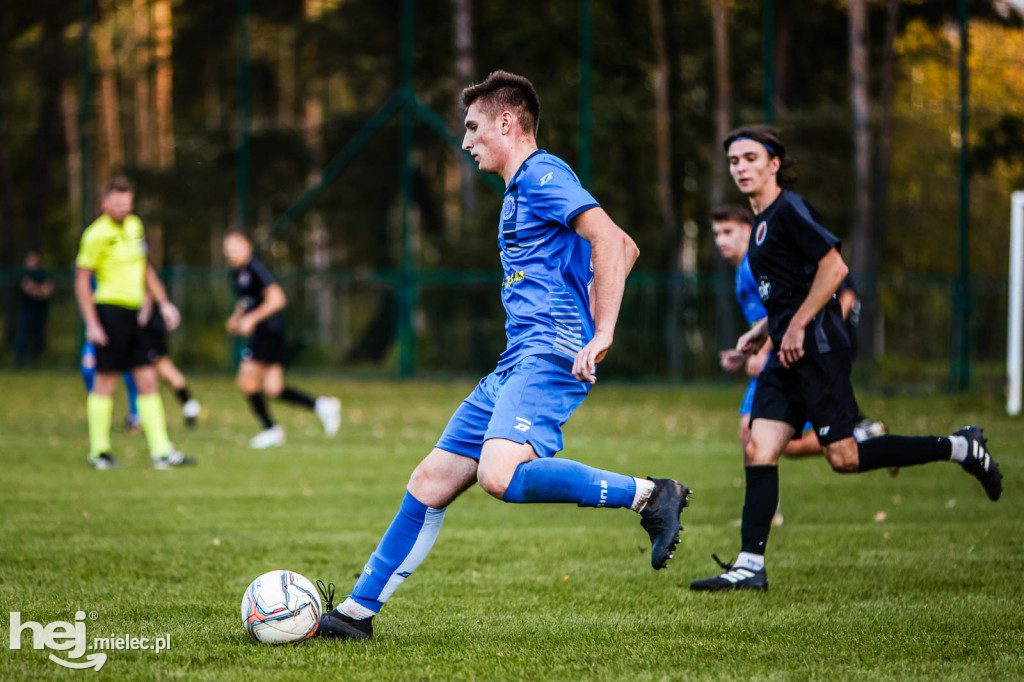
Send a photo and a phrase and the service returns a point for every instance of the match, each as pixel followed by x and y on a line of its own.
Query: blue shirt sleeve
pixel 555 194
pixel 747 295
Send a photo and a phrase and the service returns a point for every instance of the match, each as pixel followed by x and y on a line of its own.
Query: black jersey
pixel 785 246
pixel 250 281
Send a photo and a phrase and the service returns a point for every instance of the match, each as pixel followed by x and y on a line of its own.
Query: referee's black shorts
pixel 266 346
pixel 125 349
pixel 817 389
pixel 154 336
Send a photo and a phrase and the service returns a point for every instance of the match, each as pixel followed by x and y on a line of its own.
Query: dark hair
pixel 501 91
pixel 768 137
pixel 732 212
pixel 116 184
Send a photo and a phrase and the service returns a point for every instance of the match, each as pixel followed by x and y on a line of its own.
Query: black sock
pixel 259 406
pixel 293 395
pixel 902 451
pixel 762 499
pixel 183 395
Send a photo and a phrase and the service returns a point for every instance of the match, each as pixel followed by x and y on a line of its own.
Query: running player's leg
pixel 524 433
pixel 133 420
pixel 436 482
pixel 448 470
pixel 168 371
pixel 836 412
pixel 327 409
pixel 250 381
pixel 268 347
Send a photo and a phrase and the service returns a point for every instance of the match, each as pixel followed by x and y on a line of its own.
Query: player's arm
pixel 846 300
pixel 274 301
pixel 94 332
pixel 830 274
pixel 613 253
pixel 757 361
pixel 159 294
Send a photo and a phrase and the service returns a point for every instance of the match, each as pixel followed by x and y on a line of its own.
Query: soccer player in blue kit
pixel 565 265
pixel 798 269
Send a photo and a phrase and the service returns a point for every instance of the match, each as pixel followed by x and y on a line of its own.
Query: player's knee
pixel 492 481
pixel 272 390
pixel 754 454
pixel 842 461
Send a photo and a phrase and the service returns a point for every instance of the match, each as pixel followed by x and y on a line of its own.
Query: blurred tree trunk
pixel 73 141
pixel 723 101
pixel 286 77
pixel 111 158
pixel 860 236
pixel 783 40
pixel 465 66
pixel 725 306
pixel 9 247
pixel 317 239
pixel 164 35
pixel 871 327
pixel 666 199
pixel 662 120
pixel 145 148
pixel 47 131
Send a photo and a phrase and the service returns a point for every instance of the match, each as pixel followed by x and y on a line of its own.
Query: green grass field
pixel 872 577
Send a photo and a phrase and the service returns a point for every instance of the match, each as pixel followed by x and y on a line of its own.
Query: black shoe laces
pixel 327 592
pixel 726 566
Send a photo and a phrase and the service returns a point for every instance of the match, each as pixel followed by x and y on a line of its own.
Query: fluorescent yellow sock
pixel 98 410
pixel 151 412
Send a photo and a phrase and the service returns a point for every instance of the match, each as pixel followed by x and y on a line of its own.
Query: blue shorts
pixel 527 403
pixel 748 397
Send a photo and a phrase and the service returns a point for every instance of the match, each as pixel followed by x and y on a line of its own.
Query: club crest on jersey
pixel 243 279
pixel 509 208
pixel 762 231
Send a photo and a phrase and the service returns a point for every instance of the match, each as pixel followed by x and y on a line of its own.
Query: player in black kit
pixel 257 316
pixel 798 269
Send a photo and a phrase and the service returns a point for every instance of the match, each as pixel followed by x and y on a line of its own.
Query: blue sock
pixel 548 479
pixel 88 366
pixel 133 394
pixel 404 546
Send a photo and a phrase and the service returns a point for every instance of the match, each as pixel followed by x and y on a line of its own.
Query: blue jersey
pixel 546 264
pixel 746 293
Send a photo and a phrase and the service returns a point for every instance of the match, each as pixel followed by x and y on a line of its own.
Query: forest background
pixel 866 93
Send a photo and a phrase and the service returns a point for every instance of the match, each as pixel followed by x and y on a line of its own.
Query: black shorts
pixel 815 389
pixel 154 336
pixel 124 349
pixel 265 346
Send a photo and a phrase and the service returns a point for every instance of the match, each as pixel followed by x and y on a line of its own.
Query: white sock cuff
pixel 353 609
pixel 958 452
pixel 644 488
pixel 755 562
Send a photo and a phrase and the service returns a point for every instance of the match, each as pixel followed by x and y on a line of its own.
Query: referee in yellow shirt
pixel 113 249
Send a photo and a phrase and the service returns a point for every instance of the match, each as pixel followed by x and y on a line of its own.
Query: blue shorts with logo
pixel 527 403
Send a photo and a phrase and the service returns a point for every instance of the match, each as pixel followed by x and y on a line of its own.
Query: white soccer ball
pixel 280 607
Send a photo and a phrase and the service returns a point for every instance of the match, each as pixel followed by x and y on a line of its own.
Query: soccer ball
pixel 280 607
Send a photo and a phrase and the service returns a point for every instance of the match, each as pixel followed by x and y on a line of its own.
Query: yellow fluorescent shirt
pixel 117 254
